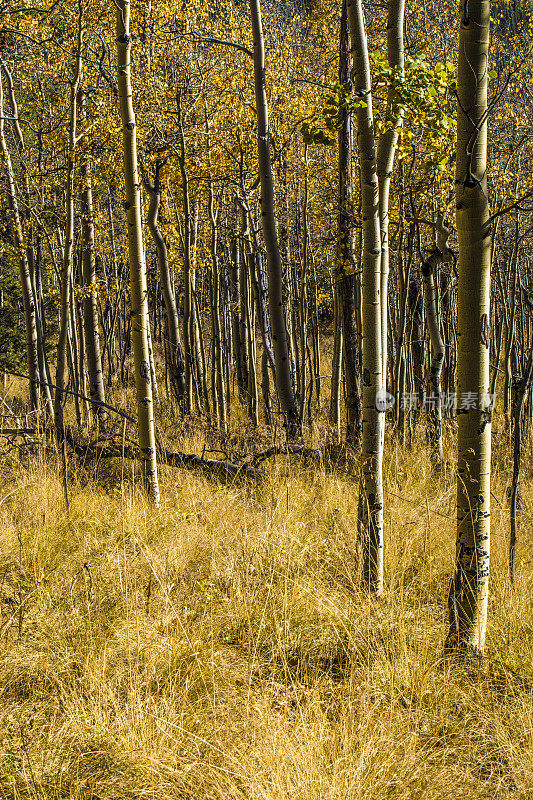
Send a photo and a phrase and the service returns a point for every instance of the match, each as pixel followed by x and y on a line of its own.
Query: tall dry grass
pixel 219 647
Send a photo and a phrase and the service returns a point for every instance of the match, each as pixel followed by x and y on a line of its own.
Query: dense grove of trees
pixel 204 194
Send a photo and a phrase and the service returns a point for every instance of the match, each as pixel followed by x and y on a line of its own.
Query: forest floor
pixel 219 647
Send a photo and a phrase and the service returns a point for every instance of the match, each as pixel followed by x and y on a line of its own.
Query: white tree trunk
pixel 469 590
pixel 139 293
pixel 371 495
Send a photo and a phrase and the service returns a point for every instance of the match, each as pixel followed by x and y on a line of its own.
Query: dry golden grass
pixel 219 647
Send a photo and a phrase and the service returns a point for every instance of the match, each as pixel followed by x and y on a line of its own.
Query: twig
pixel 70 391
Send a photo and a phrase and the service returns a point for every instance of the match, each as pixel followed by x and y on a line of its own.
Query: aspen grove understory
pixel 266 338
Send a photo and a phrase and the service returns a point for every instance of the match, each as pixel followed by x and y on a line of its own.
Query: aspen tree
pixel 76 354
pixel 440 254
pixel 217 374
pixel 248 312
pixel 268 216
pixel 138 289
pixel 24 268
pixel 239 344
pixel 304 291
pixel 469 589
pixel 385 158
pixel 510 327
pixel 522 385
pixel 200 363
pixel 315 334
pixel 68 247
pixel 189 338
pixel 417 349
pixel 220 408
pixel 345 277
pixel 110 341
pixel 177 380
pixel 336 365
pixel 90 307
pixel 33 245
pixel 403 275
pixel 243 337
pixel 370 520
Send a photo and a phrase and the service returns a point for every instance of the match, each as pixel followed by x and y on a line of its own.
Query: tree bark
pixel 370 518
pixel 24 268
pixel 469 589
pixel 268 215
pixel 440 254
pixel 139 298
pixel 68 247
pixel 177 379
pixel 345 271
pixel 385 159
pixel 522 385
pixel 90 307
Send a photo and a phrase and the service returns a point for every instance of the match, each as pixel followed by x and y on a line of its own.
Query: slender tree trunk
pixel 336 366
pixel 295 324
pixel 153 376
pixel 68 248
pixel 469 589
pixel 111 341
pixel 404 269
pixel 90 307
pixel 24 268
pixel 371 494
pixel 510 328
pixel 257 276
pixel 248 316
pixel 304 294
pixel 219 401
pixel 139 297
pixel 268 215
pixel 78 344
pixel 239 341
pixel 522 386
pixel 440 254
pixel 385 158
pixel 200 364
pixel 73 360
pixel 177 379
pixel 317 363
pixel 417 350
pixel 286 251
pixel 345 245
pixel 188 310
pixel 33 250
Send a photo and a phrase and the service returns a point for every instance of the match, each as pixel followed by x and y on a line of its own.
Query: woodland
pixel 266 359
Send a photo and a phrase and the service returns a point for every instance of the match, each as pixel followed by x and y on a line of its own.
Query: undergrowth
pixel 220 647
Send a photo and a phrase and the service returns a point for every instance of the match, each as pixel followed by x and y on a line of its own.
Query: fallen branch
pixel 287 450
pixel 99 403
pixel 226 471
pixel 15 431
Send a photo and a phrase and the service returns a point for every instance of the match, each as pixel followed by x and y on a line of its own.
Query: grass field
pixel 219 647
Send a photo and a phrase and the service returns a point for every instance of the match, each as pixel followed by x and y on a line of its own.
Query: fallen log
pixel 225 471
pixel 287 450
pixel 16 431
